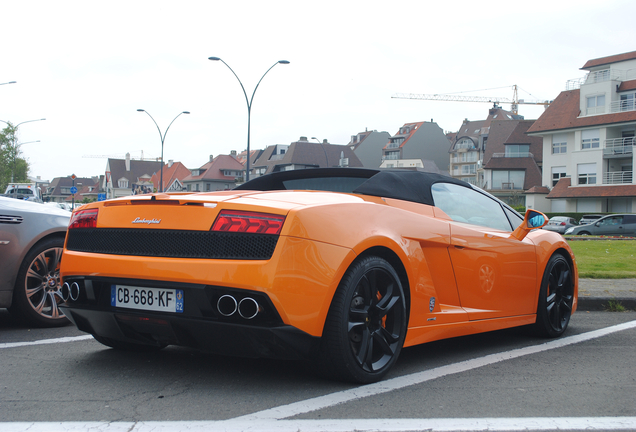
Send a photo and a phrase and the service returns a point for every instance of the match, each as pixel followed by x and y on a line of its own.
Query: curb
pixel 601 303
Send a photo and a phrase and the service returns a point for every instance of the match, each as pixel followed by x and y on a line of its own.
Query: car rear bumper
pixel 232 339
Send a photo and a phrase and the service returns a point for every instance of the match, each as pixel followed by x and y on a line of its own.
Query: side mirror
pixel 533 220
pixel 598 224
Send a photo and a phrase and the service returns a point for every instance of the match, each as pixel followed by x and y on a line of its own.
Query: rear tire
pixel 556 298
pixel 366 325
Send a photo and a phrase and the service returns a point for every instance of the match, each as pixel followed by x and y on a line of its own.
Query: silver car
pixel 31 242
pixel 560 224
pixel 616 224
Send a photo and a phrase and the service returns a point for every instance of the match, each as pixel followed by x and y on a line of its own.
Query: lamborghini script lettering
pixel 146 221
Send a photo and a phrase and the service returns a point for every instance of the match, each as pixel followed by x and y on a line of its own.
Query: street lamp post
pixel 15 128
pixel 322 144
pixel 10 82
pixel 163 138
pixel 249 106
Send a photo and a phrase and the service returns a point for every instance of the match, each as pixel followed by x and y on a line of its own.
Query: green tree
pixel 13 167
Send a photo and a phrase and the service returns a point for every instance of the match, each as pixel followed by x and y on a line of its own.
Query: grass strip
pixel 605 259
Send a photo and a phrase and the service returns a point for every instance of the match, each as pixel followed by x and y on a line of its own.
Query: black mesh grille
pixel 175 244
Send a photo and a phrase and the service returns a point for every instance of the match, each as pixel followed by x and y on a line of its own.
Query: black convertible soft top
pixel 407 185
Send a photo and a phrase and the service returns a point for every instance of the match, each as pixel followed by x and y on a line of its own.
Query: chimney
pixel 303 138
pixel 170 162
pixel 127 161
pixel 211 158
pixel 233 153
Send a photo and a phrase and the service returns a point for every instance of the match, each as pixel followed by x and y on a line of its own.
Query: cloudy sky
pixel 87 66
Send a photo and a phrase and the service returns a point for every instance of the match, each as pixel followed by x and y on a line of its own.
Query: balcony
pixel 619 146
pixel 622 106
pixel 513 155
pixel 391 157
pixel 600 76
pixel 465 158
pixel 393 145
pixel 618 177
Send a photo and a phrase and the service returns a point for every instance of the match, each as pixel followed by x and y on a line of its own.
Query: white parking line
pixel 45 341
pixel 358 425
pixel 321 402
pixel 273 419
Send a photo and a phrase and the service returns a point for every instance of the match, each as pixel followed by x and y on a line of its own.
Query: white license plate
pixel 143 298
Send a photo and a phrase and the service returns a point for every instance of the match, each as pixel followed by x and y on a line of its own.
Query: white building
pixel 588 139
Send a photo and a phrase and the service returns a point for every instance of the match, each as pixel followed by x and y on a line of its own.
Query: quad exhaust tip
pixel 71 291
pixel 247 308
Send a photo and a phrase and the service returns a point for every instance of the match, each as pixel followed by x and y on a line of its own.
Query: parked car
pixel 341 267
pixel 560 224
pixel 31 242
pixel 616 224
pixel 59 205
pixel 586 219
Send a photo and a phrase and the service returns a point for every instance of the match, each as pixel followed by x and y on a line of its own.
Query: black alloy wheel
pixel 556 297
pixel 366 324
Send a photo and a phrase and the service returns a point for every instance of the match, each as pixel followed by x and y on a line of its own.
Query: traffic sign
pixel 101 197
pixel 73 190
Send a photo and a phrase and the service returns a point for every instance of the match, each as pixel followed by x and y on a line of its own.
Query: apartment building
pixel 420 141
pixel 368 147
pixel 303 154
pixel 222 172
pixel 469 147
pixel 588 139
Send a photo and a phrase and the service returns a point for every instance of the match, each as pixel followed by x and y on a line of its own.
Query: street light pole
pixel 163 137
pixel 249 106
pixel 10 82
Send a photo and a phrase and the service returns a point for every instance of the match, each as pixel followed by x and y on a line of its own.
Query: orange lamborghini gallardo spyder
pixel 342 267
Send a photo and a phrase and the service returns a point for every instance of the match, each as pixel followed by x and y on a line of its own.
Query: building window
pixel 596 104
pixel 517 150
pixel 557 174
pixel 469 169
pixel 587 173
pixel 559 143
pixel 196 187
pixel 469 157
pixel 122 183
pixel 207 187
pixel 508 180
pixel 627 102
pixel 590 139
pixel 465 143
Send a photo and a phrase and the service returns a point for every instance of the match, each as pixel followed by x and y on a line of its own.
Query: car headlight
pixel 569 230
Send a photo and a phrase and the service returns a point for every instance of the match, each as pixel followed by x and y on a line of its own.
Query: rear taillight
pixel 248 222
pixel 562 224
pixel 84 219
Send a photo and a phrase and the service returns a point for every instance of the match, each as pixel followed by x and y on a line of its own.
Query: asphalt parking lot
pixel 506 379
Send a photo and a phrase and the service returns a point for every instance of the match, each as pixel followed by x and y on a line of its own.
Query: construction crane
pixel 514 102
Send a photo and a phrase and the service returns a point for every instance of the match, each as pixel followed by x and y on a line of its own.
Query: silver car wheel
pixel 42 283
pixel 37 294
